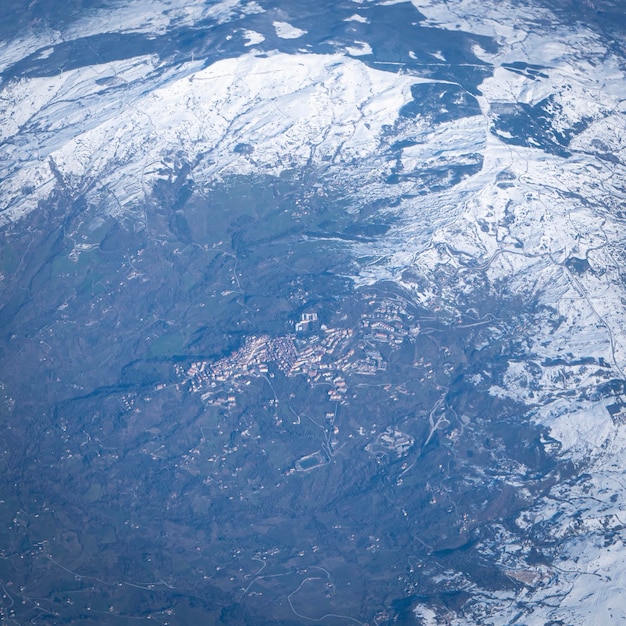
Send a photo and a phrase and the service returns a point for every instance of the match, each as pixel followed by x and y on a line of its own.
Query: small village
pixel 321 353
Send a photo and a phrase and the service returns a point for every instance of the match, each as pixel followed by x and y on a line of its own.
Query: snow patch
pixel 285 30
pixel 363 49
pixel 253 38
pixel 357 18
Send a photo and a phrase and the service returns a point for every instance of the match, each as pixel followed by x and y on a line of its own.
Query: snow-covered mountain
pixel 545 218
pixel 516 182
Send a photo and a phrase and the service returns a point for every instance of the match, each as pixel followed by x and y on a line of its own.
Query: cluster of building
pixel 339 389
pixel 322 354
pixel 317 356
pixel 391 441
pixel 388 321
pixel 372 364
pixel 306 322
pixel 617 411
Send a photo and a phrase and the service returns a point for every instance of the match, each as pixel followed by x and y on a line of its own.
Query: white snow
pixel 140 16
pixel 253 38
pixel 361 48
pixel 285 30
pixel 357 18
pixel 331 109
pixel 553 208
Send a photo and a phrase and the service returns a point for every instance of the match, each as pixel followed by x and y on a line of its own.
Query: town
pixel 316 351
